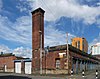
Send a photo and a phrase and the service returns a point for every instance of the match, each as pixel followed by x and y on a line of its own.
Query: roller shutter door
pixel 28 67
pixel 17 67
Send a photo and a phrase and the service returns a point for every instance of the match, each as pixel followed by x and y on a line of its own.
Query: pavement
pixel 88 75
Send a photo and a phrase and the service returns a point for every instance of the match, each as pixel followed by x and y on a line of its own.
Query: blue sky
pixel 80 18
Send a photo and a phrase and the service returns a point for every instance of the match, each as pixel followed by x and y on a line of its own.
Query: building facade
pixel 80 43
pixel 95 49
pixel 7 62
pixel 58 59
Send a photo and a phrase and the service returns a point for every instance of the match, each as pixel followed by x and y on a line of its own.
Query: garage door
pixel 28 67
pixel 17 67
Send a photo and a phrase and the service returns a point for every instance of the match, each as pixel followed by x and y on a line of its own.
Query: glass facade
pixel 96 49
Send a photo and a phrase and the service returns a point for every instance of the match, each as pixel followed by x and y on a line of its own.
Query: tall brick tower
pixel 37 38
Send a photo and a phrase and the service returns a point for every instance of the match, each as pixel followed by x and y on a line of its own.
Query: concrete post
pixel 72 64
pixel 77 66
pixel 96 74
pixel 89 65
pixel 81 65
pixel 84 65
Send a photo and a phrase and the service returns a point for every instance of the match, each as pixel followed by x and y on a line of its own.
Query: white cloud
pixel 24 52
pixel 24 5
pixel 5 49
pixel 98 3
pixel 55 37
pixel 96 40
pixel 20 31
pixel 99 26
pixel 21 8
pixel 23 29
pixel 69 8
pixel 19 51
pixel 98 21
pixel 1 5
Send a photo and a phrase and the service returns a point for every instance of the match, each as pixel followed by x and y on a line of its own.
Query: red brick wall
pixel 8 61
pixel 51 60
pixel 37 26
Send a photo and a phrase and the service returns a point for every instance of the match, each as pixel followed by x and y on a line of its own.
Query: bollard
pixel 72 72
pixel 83 73
pixel 96 74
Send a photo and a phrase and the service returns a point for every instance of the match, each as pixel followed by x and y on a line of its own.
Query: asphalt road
pixel 13 77
pixel 23 76
pixel 88 75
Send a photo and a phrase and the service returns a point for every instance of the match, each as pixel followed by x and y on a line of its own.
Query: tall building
pixel 37 37
pixel 95 49
pixel 80 43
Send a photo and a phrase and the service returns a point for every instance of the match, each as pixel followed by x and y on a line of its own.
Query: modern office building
pixel 80 43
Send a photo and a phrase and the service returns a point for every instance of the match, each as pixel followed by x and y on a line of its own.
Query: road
pixel 23 76
pixel 88 75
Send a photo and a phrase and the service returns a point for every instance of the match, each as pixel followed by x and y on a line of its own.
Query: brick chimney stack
pixel 37 30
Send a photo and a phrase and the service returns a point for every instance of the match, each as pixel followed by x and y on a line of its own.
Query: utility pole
pixel 40 52
pixel 67 54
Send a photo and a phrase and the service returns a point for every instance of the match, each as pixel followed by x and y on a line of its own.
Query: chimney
pixel 37 37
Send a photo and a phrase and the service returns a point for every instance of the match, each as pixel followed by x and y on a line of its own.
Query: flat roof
pixel 71 48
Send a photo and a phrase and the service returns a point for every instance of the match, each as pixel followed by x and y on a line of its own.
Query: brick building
pixel 97 56
pixel 7 62
pixel 57 60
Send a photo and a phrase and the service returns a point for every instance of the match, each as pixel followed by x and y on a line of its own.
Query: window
pixel 83 45
pixel 58 64
pixel 78 44
pixel 75 44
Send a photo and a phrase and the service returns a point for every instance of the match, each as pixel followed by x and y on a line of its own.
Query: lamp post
pixel 67 55
pixel 40 52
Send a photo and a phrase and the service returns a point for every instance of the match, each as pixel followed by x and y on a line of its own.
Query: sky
pixel 78 18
